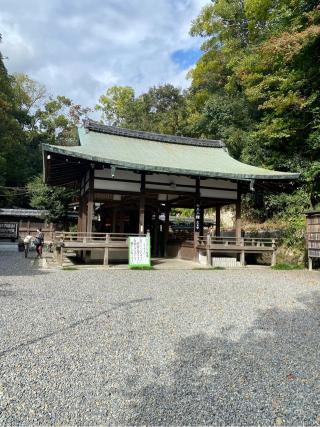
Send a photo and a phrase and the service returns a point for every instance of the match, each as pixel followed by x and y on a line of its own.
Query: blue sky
pixel 186 58
pixel 79 48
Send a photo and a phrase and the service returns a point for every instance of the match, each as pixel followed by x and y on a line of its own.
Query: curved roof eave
pixel 73 152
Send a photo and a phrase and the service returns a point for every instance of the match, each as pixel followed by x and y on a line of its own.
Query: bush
pixel 286 266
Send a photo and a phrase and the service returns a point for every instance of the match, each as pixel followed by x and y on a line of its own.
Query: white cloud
pixel 80 48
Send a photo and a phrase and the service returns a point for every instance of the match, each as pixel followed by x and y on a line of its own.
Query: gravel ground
pixel 158 347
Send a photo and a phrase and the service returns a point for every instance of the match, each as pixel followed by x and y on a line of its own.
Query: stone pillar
pixel 242 253
pixel 274 255
pixel 209 259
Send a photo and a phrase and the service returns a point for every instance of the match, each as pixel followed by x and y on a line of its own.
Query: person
pixel 27 242
pixel 39 242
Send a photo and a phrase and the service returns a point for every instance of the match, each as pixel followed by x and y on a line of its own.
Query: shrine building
pixel 128 180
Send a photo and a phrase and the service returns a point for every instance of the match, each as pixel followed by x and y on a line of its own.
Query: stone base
pixel 225 262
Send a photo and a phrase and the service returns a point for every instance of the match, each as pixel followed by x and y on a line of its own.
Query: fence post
pixel 274 256
pixel 310 263
pixel 209 259
pixel 106 251
pixel 61 256
pixel 242 255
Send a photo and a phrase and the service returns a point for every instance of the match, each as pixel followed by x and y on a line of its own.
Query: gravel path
pixel 158 347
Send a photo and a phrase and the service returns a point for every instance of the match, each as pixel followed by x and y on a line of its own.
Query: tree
pixel 117 106
pixel 228 118
pixel 164 109
pixel 160 109
pixel 28 119
pixel 12 173
pixel 29 94
pixel 57 121
pixel 263 55
pixel 55 200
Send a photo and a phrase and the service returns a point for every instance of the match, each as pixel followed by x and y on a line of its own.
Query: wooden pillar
pixel 84 215
pixel 90 202
pixel 156 227
pixel 80 212
pixel 218 221
pixel 238 216
pixel 114 219
pixel 166 228
pixel 198 218
pixel 142 203
pixel 201 219
pixel 90 211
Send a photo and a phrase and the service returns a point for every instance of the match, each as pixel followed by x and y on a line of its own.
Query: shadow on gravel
pixel 15 264
pixel 271 375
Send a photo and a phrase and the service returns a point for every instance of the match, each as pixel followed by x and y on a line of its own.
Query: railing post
pixel 209 259
pixel 106 251
pixel 61 255
pixel 242 254
pixel 273 259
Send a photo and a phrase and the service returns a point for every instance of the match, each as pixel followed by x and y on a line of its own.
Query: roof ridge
pixel 91 125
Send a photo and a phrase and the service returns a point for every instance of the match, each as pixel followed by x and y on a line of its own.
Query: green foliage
pixel 287 205
pixel 228 118
pixel 294 232
pixel 117 105
pixel 28 118
pixel 161 109
pixel 54 199
pixel 286 266
pixel 285 210
pixel 256 86
pixel 12 150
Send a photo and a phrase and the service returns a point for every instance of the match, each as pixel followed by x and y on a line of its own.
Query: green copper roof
pixel 161 153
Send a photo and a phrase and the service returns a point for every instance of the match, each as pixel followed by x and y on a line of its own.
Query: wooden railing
pixel 83 241
pixel 69 236
pixel 239 245
pixel 236 241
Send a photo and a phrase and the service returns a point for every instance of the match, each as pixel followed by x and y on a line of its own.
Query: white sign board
pixel 139 251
